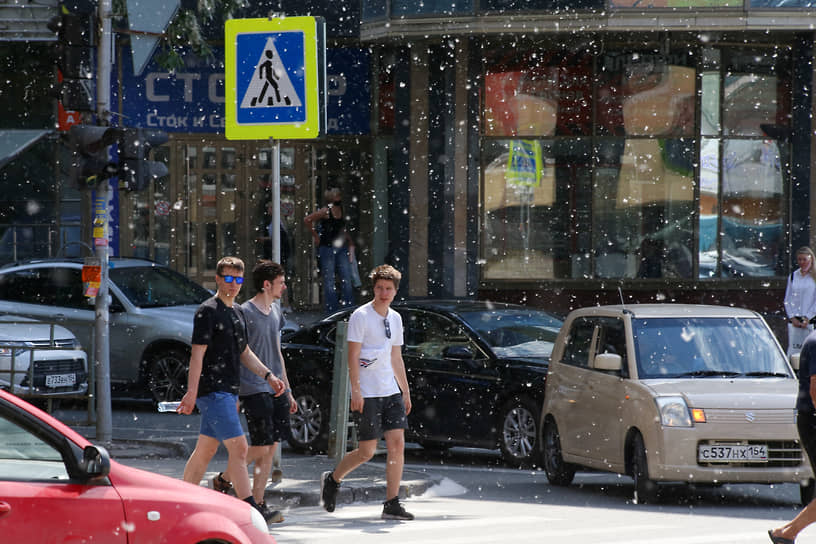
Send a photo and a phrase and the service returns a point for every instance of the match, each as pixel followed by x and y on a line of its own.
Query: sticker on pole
pixel 274 74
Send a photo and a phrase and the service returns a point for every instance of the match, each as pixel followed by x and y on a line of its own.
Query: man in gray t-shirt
pixel 267 416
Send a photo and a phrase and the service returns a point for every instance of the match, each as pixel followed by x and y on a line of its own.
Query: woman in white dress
pixel 800 299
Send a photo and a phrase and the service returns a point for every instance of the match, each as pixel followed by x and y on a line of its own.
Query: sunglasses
pixel 387 328
pixel 229 279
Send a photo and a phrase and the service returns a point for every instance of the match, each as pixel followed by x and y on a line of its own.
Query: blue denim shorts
pixel 219 415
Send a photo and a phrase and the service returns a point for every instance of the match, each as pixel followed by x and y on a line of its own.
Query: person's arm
pixel 251 361
pixel 789 311
pixel 293 407
pixel 813 391
pixel 354 349
pixel 313 217
pixel 398 364
pixel 193 377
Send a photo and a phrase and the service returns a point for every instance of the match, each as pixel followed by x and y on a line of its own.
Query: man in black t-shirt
pixel 219 347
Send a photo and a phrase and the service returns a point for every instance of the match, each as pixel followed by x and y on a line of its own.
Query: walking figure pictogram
pixel 266 70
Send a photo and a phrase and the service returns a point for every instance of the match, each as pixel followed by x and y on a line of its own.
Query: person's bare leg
pixel 236 465
pixel 353 459
pixel 394 461
pixel 261 470
pixel 804 518
pixel 196 465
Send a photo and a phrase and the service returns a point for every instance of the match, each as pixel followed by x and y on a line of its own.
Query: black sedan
pixel 476 371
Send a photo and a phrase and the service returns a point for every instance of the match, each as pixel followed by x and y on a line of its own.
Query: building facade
pixel 548 152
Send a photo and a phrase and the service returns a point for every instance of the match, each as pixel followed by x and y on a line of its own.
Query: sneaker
pixel 394 510
pixel 328 491
pixel 271 516
pixel 218 483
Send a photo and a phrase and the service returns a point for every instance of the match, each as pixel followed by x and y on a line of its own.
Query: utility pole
pixel 104 421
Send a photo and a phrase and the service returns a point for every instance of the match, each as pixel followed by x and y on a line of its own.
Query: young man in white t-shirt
pixel 379 391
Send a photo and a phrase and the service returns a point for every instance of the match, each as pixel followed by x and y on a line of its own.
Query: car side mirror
pixel 794 361
pixel 463 353
pixel 608 361
pixel 95 462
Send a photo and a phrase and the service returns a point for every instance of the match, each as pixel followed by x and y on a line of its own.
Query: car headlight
pixel 674 412
pixel 258 520
pixel 9 348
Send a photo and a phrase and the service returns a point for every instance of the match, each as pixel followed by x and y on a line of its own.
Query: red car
pixel 55 486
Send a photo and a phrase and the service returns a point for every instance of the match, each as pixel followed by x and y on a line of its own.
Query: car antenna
pixel 620 292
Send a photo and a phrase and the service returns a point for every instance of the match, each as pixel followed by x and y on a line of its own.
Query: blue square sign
pixel 270 78
pixel 273 76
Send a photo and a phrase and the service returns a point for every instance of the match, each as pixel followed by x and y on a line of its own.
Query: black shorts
pixel 267 418
pixel 380 414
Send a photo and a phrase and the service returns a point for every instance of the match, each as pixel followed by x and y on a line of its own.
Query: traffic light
pixel 87 161
pixel 136 170
pixel 76 34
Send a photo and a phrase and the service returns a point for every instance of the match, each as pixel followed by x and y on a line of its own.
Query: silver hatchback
pixel 151 317
pixel 40 360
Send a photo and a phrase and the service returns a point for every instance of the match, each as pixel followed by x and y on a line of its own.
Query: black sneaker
pixel 271 516
pixel 328 491
pixel 394 510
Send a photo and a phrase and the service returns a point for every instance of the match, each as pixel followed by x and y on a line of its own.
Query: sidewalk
pixel 300 485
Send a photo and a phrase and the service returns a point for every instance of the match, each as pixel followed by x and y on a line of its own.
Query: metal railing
pixel 31 348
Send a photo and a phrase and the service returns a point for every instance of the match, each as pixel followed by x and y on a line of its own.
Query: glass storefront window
pixel 646 94
pixel 642 203
pixel 751 100
pixel 660 203
pixel 545 94
pixel 535 192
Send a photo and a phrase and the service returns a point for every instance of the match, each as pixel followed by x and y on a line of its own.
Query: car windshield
pixel 706 347
pixel 155 286
pixel 515 333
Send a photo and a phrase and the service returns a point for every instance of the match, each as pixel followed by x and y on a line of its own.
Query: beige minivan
pixel 671 393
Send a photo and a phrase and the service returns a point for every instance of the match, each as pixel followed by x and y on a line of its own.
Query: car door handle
pixel 5 508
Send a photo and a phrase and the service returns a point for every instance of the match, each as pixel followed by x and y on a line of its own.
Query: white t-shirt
pixel 367 327
pixel 800 295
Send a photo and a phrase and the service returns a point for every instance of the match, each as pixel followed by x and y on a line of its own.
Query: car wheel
pixel 310 424
pixel 558 472
pixel 519 432
pixel 645 489
pixel 167 374
pixel 806 492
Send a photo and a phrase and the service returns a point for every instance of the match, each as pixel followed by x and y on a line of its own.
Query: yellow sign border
pixel 282 131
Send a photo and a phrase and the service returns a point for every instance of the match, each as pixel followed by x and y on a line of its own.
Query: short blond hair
pixel 386 272
pixel 330 195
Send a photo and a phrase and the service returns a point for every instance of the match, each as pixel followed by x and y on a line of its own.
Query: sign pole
pixel 276 241
pixel 104 421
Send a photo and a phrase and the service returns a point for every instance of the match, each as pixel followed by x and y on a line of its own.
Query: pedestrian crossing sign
pixel 275 72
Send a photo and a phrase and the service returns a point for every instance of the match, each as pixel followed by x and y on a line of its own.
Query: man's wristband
pixel 268 373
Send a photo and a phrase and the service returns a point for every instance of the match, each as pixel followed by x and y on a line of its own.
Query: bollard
pixel 338 422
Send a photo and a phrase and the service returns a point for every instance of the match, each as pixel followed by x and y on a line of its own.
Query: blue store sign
pixel 192 99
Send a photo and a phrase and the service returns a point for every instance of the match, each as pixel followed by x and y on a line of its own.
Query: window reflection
pixel 536 209
pixel 645 198
pixel 642 207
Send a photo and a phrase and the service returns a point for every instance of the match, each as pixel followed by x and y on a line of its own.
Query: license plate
pixel 60 380
pixel 726 453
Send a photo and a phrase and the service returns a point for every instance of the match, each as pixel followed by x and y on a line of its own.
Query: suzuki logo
pixel 750 417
